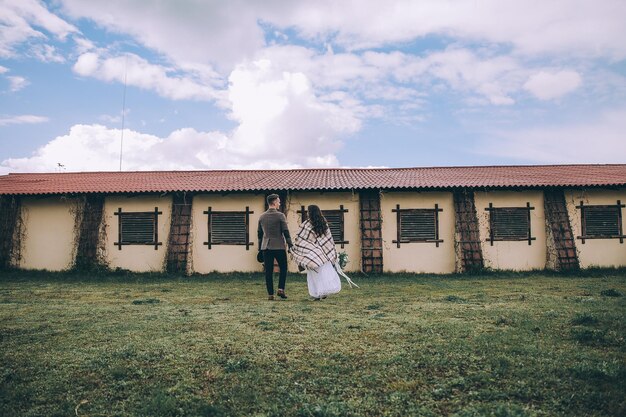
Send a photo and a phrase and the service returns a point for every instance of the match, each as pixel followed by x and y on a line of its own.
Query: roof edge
pixel 320 169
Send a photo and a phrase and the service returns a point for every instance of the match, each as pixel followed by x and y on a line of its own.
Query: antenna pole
pixel 123 112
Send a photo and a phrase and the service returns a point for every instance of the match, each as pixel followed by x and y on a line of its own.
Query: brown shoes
pixel 281 294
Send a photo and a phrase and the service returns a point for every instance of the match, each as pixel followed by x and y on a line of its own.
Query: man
pixel 273 233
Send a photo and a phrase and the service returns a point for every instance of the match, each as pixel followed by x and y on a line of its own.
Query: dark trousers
pixel 268 258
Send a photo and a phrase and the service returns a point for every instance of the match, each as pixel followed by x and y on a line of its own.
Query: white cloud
pixel 594 141
pixel 531 27
pixel 85 148
pixel 140 73
pixel 550 85
pixel 83 45
pixel 395 76
pixel 87 64
pixel 495 78
pixel 219 33
pixel 295 105
pixel 21 20
pixel 282 124
pixel 22 119
pixel 114 119
pixel 279 114
pixel 225 33
pixel 344 79
pixel 46 53
pixel 197 36
pixel 326 71
pixel 95 147
pixel 17 82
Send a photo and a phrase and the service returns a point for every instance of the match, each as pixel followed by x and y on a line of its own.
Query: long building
pixel 434 220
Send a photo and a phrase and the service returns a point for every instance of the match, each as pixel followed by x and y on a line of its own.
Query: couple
pixel 314 250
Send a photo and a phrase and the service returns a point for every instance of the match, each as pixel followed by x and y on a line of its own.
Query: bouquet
pixel 343 259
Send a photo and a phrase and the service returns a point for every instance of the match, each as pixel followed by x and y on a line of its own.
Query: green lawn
pixel 496 345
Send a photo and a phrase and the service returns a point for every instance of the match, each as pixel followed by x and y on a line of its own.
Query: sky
pixel 104 85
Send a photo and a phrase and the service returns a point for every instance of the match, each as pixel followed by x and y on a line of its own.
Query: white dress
pixel 324 281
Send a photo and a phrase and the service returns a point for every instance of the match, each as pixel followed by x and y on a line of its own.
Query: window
pixel 138 228
pixel 229 228
pixel 417 225
pixel 601 222
pixel 509 223
pixel 335 219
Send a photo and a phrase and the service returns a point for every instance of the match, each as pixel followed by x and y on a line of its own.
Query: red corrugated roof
pixel 315 179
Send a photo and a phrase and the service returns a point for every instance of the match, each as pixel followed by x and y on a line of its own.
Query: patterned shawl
pixel 312 251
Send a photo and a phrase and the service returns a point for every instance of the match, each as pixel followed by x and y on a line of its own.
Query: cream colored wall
pixel 138 258
pixel 596 252
pixel 514 255
pixel 330 201
pixel 224 258
pixel 418 256
pixel 49 233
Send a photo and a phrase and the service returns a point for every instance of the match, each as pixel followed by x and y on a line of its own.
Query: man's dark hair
pixel 271 198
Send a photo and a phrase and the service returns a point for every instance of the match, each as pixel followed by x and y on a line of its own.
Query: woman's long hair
pixel 317 219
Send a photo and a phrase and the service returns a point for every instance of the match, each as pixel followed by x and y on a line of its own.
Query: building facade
pixel 422 220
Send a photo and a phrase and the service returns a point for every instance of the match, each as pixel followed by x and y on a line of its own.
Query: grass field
pixel 152 345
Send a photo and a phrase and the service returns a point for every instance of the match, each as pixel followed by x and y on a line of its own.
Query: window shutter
pixel 138 228
pixel 509 223
pixel 228 228
pixel 335 223
pixel 417 225
pixel 601 222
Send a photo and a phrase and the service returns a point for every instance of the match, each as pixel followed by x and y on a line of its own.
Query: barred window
pixel 417 225
pixel 229 228
pixel 509 223
pixel 335 219
pixel 138 228
pixel 601 222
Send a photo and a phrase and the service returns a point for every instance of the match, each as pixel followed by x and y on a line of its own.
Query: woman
pixel 314 250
